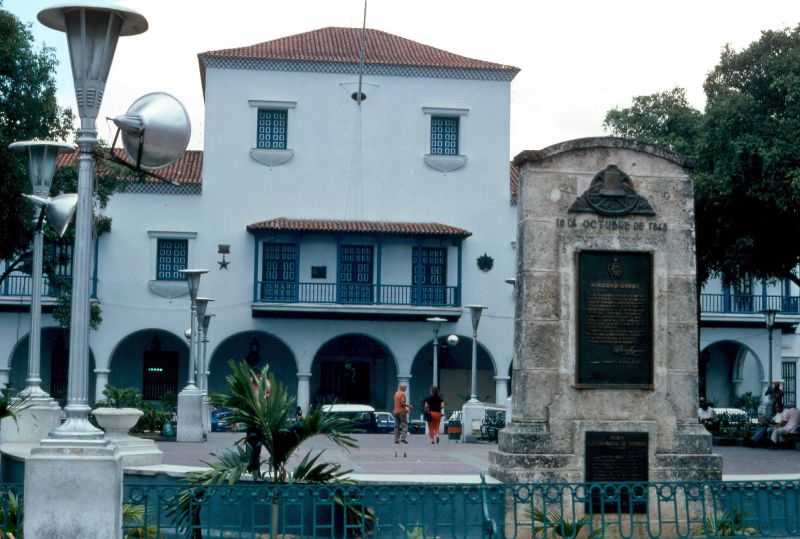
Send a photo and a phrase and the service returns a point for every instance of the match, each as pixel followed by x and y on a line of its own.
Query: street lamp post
pixel 43 413
pixel 769 321
pixel 75 454
pixel 92 33
pixel 475 312
pixel 41 166
pixel 190 399
pixel 437 322
pixel 204 374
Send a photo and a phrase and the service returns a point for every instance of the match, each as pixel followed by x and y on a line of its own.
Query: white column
pixel 4 377
pixel 100 383
pixel 303 390
pixel 501 389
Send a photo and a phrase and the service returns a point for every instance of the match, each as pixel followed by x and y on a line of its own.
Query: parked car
pixel 416 426
pixel 362 415
pixel 219 421
pixel 384 421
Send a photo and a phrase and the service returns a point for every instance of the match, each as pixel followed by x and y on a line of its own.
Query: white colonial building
pixel 735 342
pixel 333 225
pixel 333 228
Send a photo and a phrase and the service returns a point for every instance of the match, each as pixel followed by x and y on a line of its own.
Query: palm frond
pixel 308 471
pixel 230 466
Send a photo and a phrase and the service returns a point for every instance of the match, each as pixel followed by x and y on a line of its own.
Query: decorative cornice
pixel 386 70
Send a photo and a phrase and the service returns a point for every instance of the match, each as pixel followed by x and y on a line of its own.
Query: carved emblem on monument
pixel 612 194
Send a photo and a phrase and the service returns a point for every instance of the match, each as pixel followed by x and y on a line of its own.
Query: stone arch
pixel 53 366
pixel 356 368
pixel 154 361
pixel 455 366
pixel 729 369
pixel 258 348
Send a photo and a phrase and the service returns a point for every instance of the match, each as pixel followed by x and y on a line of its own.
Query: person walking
pixel 400 411
pixel 433 414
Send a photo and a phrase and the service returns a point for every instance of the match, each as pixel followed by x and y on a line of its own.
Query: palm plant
pixel 272 419
pixel 555 522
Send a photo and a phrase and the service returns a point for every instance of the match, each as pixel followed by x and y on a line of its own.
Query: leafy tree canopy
pixel 28 110
pixel 747 144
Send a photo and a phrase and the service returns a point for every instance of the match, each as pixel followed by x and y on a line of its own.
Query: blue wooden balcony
pixel 356 294
pixel 343 300
pixel 17 286
pixel 748 304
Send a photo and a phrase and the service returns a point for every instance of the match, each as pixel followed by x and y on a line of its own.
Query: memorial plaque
pixel 617 456
pixel 615 326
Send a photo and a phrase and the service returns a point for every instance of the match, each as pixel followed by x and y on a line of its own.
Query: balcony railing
pixel 740 303
pixel 357 294
pixel 20 286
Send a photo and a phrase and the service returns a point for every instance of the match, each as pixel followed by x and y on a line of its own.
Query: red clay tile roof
pixel 188 170
pixel 283 224
pixel 513 181
pixel 342 45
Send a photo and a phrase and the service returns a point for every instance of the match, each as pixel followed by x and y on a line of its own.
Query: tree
pixel 747 144
pixel 28 110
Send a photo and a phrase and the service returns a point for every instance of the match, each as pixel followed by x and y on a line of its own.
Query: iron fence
pixel 494 511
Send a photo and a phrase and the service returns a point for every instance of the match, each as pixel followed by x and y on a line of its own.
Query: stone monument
pixel 605 368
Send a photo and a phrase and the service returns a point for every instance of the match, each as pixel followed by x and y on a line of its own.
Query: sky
pixel 579 58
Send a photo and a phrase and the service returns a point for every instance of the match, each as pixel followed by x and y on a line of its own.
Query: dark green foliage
pixel 747 144
pixel 28 110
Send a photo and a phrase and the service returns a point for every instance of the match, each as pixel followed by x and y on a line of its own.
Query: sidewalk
pixel 453 461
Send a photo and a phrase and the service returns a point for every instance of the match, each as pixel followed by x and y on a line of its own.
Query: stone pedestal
pixel 190 415
pixel 33 423
pixel 73 491
pixel 606 321
pixel 472 414
pixel 117 423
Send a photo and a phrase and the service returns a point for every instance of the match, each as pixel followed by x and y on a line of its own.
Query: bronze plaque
pixel 615 326
pixel 613 457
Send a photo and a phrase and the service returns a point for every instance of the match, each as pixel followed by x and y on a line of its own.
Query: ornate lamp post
pixel 92 34
pixel 41 166
pixel 475 312
pixel 190 399
pixel 204 375
pixel 437 322
pixel 769 321
pixel 75 453
pixel 202 305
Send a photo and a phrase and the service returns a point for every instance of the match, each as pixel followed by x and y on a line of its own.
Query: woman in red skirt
pixel 433 414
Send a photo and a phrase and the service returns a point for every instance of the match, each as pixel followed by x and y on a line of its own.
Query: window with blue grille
pixel 429 273
pixel 355 274
pixel 789 372
pixel 444 135
pixel 172 257
pixel 279 272
pixel 271 129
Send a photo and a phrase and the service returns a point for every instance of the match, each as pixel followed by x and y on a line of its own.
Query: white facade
pixel 735 343
pixel 347 162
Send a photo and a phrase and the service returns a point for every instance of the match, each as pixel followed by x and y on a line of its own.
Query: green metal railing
pixel 495 511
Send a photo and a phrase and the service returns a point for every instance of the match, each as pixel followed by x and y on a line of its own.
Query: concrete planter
pixel 117 423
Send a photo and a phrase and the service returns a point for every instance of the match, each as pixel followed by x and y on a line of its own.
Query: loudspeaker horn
pixel 59 210
pixel 155 130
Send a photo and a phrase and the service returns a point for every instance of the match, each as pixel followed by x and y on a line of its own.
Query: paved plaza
pixel 455 460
